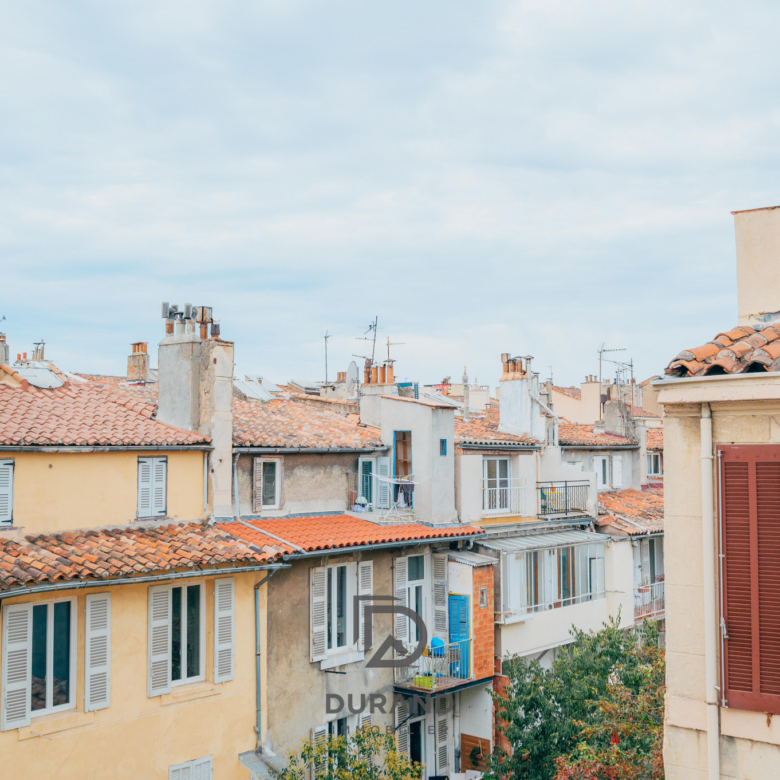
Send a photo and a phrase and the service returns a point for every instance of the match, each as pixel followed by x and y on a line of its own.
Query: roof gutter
pixel 716 378
pixel 599 446
pixel 308 450
pixel 102 448
pixel 377 546
pixel 512 447
pixel 180 575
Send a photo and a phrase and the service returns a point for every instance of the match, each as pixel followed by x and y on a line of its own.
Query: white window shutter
pixel 617 471
pixel 383 487
pixel 159 486
pixel 401 577
pixel 442 741
pixel 439 567
pixel 17 666
pixel 202 769
pixel 365 574
pixel 145 487
pixel 160 638
pixel 402 728
pixel 644 547
pixel 319 736
pixel 97 653
pixel 366 721
pixel 224 629
pixel 257 485
pixel 6 491
pixel 318 613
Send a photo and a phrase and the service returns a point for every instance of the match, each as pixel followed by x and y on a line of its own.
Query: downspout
pixel 549 412
pixel 235 485
pixel 258 688
pixel 710 623
pixel 205 483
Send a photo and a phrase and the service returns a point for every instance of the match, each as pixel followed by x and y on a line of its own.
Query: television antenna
pixel 372 328
pixel 327 336
pixel 392 344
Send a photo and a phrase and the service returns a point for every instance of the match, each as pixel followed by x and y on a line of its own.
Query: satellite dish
pixel 352 376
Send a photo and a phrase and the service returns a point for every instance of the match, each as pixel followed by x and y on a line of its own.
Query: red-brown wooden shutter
pixel 750 511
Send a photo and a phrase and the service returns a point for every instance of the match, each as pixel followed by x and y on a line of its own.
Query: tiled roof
pixel 643 507
pixel 572 392
pixel 575 435
pixel 740 350
pixel 638 411
pixel 288 423
pixel 104 379
pixel 84 414
pixel 484 430
pixel 421 401
pixel 655 439
pixel 122 552
pixel 324 532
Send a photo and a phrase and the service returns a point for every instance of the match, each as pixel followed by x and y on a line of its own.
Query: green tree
pixel 369 754
pixel 543 712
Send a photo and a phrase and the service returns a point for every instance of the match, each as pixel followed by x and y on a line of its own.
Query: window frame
pixel 261 461
pixel 71 705
pixel 442 447
pixel 202 676
pixel 153 515
pixel 331 610
pixel 652 471
pixel 11 463
pixel 371 502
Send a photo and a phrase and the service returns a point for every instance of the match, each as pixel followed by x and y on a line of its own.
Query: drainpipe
pixel 258 688
pixel 710 623
pixel 235 484
pixel 205 483
pixel 549 412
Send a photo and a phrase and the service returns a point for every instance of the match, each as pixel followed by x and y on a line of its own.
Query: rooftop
pixel 740 350
pixel 484 430
pixel 577 435
pixel 655 439
pixel 122 552
pixel 327 532
pixel 572 392
pixel 644 508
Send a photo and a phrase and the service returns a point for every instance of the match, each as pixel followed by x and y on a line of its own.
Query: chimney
pixel 138 362
pixel 465 395
pixel 390 373
pixel 5 353
pixel 518 413
pixel 758 269
pixel 195 389
pixel 590 401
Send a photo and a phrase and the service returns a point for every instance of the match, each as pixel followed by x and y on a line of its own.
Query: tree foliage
pixel 369 754
pixel 596 714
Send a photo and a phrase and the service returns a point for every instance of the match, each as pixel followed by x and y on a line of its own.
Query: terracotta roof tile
pixel 740 350
pixel 655 439
pixel 484 430
pixel 83 414
pixel 576 435
pixel 333 531
pixel 289 423
pixel 572 392
pixel 638 411
pixel 643 507
pixel 121 552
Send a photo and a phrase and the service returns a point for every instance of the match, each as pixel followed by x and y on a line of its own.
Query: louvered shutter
pixel 318 613
pixel 257 486
pixel 97 652
pixel 442 737
pixel 401 577
pixel 402 728
pixel 159 486
pixel 366 721
pixel 365 575
pixel 382 486
pixel 644 549
pixel 145 466
pixel 16 677
pixel 439 567
pixel 6 491
pixel 319 738
pixel 750 511
pixel 617 471
pixel 160 637
pixel 202 769
pixel 224 629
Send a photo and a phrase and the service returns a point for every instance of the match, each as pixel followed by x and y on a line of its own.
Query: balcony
pixel 503 497
pixel 562 499
pixel 379 496
pixel 649 603
pixel 438 668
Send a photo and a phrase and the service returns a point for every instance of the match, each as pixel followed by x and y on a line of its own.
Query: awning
pixel 541 541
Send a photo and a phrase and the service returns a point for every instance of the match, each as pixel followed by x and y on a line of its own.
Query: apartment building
pixel 722 479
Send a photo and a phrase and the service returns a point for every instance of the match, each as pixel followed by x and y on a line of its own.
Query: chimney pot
pixel 374 375
pixel 390 376
pixel 381 375
pixel 24 355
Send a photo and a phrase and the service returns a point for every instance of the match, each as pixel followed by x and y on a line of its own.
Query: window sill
pixel 342 659
pixel 55 722
pixel 189 692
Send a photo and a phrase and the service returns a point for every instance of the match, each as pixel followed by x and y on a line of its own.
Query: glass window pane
pixel 269 483
pixel 39 637
pixel 416 567
pixel 490 472
pixel 503 470
pixel 341 607
pixel 61 654
pixel 176 644
pixel 193 630
pixel 330 609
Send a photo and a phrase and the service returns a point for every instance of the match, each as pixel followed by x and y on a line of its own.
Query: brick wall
pixel 483 622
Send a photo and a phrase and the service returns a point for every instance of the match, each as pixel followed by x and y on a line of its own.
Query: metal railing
pixel 503 497
pixel 439 667
pixel 649 601
pixel 361 491
pixel 563 498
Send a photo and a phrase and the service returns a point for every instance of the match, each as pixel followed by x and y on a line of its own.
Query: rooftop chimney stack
pixel 138 362
pixel 5 352
pixel 758 269
pixel 195 387
pixel 518 412
pixel 465 394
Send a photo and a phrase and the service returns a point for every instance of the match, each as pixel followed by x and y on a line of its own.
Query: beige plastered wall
pixel 744 411
pixel 140 737
pixel 60 491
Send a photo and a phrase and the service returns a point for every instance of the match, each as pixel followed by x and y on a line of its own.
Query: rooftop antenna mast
pixel 327 336
pixel 602 351
pixel 392 344
pixel 372 328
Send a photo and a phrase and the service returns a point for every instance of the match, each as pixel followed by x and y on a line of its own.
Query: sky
pixel 538 177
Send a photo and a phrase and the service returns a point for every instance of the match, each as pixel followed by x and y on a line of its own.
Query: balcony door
pixel 496 484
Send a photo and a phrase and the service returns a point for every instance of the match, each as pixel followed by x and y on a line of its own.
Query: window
pixel 483 598
pixel 267 479
pixel 495 484
pixel 152 487
pixel 338 607
pixel 601 467
pixel 199 769
pixel 442 446
pixel 6 491
pixel 540 580
pixel 187 632
pixel 654 464
pixel 403 467
pixel 415 587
